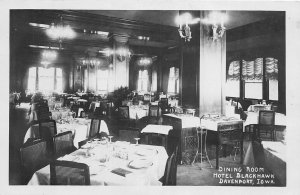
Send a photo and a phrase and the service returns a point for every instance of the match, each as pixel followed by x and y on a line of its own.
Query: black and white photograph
pixel 182 96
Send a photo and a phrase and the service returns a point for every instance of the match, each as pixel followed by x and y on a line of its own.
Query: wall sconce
pixel 121 53
pixel 217 20
pixel 218 32
pixel 184 30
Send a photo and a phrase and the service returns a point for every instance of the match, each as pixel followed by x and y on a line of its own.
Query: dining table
pixel 252 118
pixel 138 111
pixel 79 126
pixel 115 164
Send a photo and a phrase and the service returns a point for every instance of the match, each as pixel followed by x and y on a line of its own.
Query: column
pixel 120 63
pixel 212 70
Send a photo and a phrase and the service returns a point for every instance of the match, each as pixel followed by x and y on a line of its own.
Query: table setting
pixel 138 111
pixel 115 163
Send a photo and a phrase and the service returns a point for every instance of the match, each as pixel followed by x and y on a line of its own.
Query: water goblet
pixel 137 140
pixel 110 136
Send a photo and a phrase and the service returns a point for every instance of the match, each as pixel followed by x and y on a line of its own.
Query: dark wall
pixel 261 39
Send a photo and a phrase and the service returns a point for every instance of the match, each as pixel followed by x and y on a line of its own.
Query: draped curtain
pixel 271 68
pixel 252 70
pixel 234 71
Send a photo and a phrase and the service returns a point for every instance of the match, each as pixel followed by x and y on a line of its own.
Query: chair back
pixel 140 97
pixel 47 128
pixel 266 117
pixel 69 173
pixel 129 135
pixel 33 157
pixel 153 110
pixel 63 144
pixel 94 128
pixel 123 112
pixel 171 170
pixel 43 112
pixel 164 102
pixel 230 132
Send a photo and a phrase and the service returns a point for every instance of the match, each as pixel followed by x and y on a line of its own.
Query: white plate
pixel 140 163
pixel 145 152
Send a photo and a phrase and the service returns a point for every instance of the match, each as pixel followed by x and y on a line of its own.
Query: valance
pixel 234 71
pixel 271 68
pixel 252 70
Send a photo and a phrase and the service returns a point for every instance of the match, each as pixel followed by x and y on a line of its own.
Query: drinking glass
pixel 137 140
pixel 110 136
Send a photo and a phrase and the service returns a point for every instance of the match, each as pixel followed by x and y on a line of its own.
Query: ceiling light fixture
pixel 60 31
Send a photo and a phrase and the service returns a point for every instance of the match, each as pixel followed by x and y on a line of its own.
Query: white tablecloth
pixel 187 121
pixel 161 129
pixel 137 112
pixel 61 114
pixel 258 107
pixel 80 128
pixel 212 125
pixel 100 173
pixel 252 118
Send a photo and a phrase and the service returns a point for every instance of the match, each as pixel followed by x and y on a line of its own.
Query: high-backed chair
pixel 63 144
pixel 33 156
pixel 94 128
pixel 47 129
pixel 229 133
pixel 265 130
pixel 69 173
pixel 147 98
pixel 169 177
pixel 129 135
pixel 43 112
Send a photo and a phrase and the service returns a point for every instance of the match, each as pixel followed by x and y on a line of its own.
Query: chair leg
pixel 217 156
pixel 242 152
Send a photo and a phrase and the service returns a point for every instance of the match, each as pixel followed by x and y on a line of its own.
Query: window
pixel 233 80
pixel 59 87
pixel 143 80
pixel 232 88
pixel 31 79
pixel 46 79
pixel 253 89
pixel 253 78
pixel 173 85
pixel 273 89
pixel 102 80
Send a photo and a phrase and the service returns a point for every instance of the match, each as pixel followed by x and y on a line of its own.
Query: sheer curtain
pixel 173 83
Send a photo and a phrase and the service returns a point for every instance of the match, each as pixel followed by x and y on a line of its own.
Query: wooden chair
pixel 265 129
pixel 169 178
pixel 34 156
pixel 69 173
pixel 129 135
pixel 123 118
pixel 47 129
pixel 229 133
pixel 153 115
pixel 94 128
pixel 43 112
pixel 63 144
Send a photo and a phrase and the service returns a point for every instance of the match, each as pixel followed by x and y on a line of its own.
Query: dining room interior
pixel 147 97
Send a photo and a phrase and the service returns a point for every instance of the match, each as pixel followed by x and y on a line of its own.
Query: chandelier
pixel 60 31
pixel 48 56
pixel 144 61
